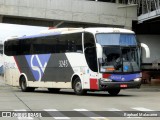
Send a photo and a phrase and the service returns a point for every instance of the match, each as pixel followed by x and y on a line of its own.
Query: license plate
pixel 123 86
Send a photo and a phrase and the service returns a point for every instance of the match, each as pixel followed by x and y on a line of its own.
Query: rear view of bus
pixel 83 59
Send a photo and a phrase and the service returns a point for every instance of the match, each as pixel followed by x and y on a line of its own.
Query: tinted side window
pixel 71 42
pixel 41 45
pixel 44 45
pixel 12 47
pixel 58 44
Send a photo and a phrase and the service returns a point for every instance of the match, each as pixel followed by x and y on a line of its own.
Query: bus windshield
pixel 120 53
pixel 116 39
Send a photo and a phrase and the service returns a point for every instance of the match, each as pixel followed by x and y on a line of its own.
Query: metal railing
pixel 144 6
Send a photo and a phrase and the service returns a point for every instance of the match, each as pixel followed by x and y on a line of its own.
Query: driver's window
pixel 88 40
pixel 90 51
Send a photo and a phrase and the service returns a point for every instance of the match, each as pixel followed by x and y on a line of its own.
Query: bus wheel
pixel 113 92
pixel 23 85
pixel 77 86
pixel 53 90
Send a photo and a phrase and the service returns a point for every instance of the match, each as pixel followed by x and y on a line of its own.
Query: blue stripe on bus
pixel 128 77
pixel 40 35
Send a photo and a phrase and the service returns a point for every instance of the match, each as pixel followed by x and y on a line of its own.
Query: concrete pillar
pixel 1 19
pixel 117 1
pixel 128 27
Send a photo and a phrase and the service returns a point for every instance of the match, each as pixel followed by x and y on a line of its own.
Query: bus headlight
pixel 106 80
pixel 137 79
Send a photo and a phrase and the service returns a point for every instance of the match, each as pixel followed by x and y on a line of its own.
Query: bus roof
pixel 58 31
pixel 108 30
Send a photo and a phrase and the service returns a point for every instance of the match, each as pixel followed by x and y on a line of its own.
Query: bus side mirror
pixel 147 50
pixel 99 50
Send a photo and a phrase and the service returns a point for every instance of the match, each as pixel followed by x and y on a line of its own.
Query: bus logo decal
pixel 37 64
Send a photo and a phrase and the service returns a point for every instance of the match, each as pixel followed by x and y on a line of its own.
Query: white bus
pixel 83 59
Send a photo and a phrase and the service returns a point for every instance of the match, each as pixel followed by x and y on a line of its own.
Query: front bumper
pixel 118 85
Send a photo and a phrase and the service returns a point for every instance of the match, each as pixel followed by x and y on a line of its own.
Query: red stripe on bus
pixel 17 64
pixel 94 84
pixel 106 75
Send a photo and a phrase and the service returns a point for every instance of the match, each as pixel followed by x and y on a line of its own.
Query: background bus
pixel 94 59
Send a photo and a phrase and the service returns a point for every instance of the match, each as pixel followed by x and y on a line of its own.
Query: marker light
pixel 137 79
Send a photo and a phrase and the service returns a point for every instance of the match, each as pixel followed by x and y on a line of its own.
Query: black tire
pixel 53 90
pixel 77 86
pixel 31 89
pixel 113 92
pixel 23 85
